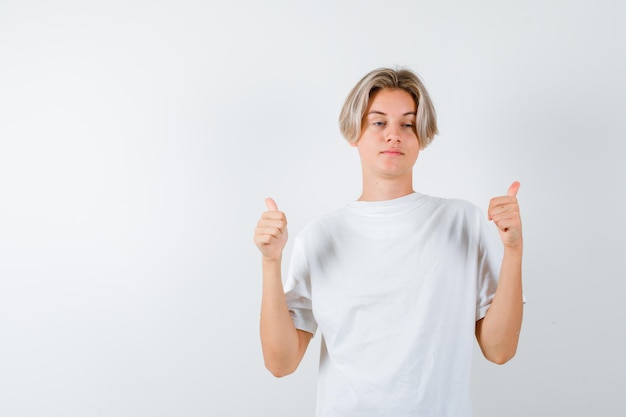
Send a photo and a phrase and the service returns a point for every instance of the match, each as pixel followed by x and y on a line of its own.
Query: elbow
pixel 500 358
pixel 279 371
pixel 279 374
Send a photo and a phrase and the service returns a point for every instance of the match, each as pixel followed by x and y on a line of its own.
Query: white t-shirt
pixel 395 288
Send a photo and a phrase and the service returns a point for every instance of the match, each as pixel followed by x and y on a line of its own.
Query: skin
pixel 498 332
pixel 282 344
pixel 388 148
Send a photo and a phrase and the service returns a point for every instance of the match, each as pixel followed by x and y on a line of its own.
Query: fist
pixel 504 212
pixel 270 235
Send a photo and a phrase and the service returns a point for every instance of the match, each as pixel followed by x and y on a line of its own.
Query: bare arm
pixel 283 345
pixel 498 332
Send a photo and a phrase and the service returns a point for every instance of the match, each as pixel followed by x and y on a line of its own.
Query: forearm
pixel 498 332
pixel 279 337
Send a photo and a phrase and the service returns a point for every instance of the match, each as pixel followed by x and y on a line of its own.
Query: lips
pixel 392 152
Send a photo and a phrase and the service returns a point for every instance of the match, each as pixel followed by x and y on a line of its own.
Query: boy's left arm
pixel 498 332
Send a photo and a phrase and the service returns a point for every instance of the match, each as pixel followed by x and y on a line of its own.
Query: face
pixel 388 145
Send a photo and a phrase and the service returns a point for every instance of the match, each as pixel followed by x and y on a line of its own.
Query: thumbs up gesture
pixel 270 235
pixel 504 212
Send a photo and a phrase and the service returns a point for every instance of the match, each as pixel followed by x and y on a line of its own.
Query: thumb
pixel 513 189
pixel 271 204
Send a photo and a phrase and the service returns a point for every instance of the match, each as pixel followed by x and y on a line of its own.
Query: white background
pixel 138 140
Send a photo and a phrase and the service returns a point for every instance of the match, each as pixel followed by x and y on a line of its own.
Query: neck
pixel 386 189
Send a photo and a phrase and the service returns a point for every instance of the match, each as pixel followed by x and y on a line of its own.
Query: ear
pixel 354 144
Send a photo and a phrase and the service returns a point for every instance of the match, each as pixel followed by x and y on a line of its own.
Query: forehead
pixel 389 100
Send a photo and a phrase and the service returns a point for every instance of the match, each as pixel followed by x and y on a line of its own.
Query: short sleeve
pixel 298 290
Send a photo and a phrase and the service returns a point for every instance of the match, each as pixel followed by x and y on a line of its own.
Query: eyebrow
pixel 411 113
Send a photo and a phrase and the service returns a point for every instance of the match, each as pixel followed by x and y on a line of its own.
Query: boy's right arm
pixel 283 345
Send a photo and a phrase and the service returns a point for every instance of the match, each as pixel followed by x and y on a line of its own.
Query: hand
pixel 270 235
pixel 504 211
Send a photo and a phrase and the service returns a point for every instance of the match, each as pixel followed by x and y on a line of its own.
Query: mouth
pixel 392 152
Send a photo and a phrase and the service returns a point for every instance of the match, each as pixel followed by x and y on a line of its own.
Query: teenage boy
pixel 398 283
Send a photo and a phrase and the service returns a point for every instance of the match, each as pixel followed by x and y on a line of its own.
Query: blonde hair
pixel 356 103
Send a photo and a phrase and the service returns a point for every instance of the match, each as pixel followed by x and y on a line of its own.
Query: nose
pixel 393 134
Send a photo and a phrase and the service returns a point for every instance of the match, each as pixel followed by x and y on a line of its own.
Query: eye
pixel 379 123
pixel 408 125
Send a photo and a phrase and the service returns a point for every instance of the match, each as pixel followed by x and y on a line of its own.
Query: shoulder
pixel 454 206
pixel 323 225
pixel 457 217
